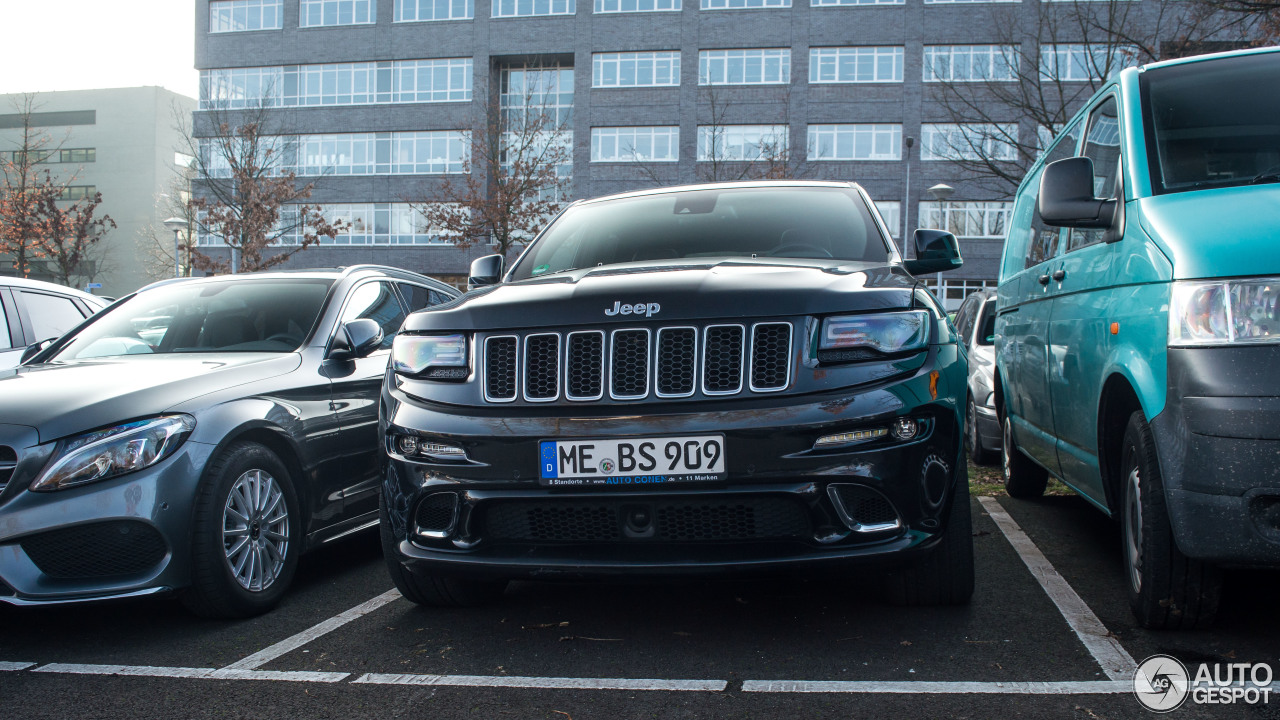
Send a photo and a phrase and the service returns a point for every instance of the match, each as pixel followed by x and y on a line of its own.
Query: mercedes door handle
pixel 1058 275
pixel 1044 279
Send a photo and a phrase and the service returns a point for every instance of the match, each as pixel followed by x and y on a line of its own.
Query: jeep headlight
pixel 848 337
pixel 114 451
pixel 1224 312
pixel 437 357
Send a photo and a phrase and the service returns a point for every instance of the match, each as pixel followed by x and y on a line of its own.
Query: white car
pixel 32 311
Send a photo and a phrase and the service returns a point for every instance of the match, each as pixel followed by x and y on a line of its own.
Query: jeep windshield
pixel 1214 123
pixel 816 222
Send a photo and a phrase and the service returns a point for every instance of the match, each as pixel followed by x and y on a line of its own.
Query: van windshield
pixel 1214 123
pixel 822 223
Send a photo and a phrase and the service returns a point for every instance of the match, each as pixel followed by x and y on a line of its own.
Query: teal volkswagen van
pixel 1138 325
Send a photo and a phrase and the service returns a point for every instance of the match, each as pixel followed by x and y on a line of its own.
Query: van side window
pixel 1044 239
pixel 1102 145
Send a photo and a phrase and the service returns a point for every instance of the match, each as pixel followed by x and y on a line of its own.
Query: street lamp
pixel 906 199
pixel 177 225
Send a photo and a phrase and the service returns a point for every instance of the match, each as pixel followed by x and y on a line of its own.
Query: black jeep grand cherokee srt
pixel 702 379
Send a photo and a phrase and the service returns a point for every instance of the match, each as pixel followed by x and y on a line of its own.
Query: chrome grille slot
pixel 500 368
pixel 584 371
pixel 542 367
pixel 722 359
pixel 677 362
pixel 629 364
pixel 770 356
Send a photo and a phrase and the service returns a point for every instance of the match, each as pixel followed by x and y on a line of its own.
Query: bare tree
pixel 247 195
pixel 721 159
pixel 515 176
pixel 23 191
pixel 1010 104
pixel 69 235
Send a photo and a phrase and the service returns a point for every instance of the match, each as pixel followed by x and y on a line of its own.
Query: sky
pixel 87 44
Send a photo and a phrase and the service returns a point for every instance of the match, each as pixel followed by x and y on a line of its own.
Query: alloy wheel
pixel 255 530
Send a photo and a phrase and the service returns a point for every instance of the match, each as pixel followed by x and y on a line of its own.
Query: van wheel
pixel 972 440
pixel 246 539
pixel 431 590
pixel 945 577
pixel 1023 478
pixel 1167 590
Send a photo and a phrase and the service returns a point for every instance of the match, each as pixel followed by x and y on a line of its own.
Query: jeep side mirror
pixel 936 251
pixel 1066 196
pixel 34 349
pixel 356 339
pixel 486 270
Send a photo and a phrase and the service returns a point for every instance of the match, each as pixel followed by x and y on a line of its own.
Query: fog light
pixel 904 428
pixel 408 444
pixel 847 438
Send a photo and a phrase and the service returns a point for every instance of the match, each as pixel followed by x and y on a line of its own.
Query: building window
pixel 78 192
pixel 953 292
pixel 436 152
pixel 744 67
pixel 978 141
pixel 970 63
pixel 529 8
pixel 742 142
pixel 424 10
pixel 855 65
pixel 367 83
pixel 366 224
pixel 855 142
pixel 635 69
pixel 967 218
pixel 891 212
pixel 321 13
pixel 635 144
pixel 629 6
pixel 241 15
pixel 744 4
pixel 851 3
pixel 1080 62
pixel 70 155
pixel 968 2
pixel 78 155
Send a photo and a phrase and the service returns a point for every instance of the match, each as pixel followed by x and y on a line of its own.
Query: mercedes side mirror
pixel 356 339
pixel 34 349
pixel 1066 196
pixel 936 251
pixel 486 270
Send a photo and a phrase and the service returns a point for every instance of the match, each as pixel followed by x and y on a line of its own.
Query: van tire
pixel 946 575
pixel 1023 478
pixel 432 590
pixel 1167 590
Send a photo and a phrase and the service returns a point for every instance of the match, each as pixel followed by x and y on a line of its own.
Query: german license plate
pixel 632 461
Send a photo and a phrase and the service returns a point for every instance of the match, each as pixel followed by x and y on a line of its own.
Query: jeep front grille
pixel 638 363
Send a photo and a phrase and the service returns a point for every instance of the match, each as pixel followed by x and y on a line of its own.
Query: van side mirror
pixel 356 339
pixel 936 251
pixel 486 270
pixel 1066 196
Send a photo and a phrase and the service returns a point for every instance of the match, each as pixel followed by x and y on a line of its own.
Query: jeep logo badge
pixel 645 309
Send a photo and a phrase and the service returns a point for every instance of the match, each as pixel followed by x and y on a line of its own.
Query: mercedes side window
pixel 1102 146
pixel 376 301
pixel 1044 239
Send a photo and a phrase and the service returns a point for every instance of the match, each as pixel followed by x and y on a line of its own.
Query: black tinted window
pixel 376 301
pixel 987 324
pixel 1102 146
pixel 415 296
pixel 812 222
pixel 1044 239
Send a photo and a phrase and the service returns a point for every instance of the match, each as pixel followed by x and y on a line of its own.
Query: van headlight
pixel 1224 312
pixel 113 452
pixel 848 337
pixel 437 357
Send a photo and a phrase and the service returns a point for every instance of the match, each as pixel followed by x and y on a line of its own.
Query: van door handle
pixel 1059 274
pixel 1044 279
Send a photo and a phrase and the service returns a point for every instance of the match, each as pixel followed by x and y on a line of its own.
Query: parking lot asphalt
pixel 344 644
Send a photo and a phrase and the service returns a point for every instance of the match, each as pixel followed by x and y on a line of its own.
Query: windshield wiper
pixel 1270 175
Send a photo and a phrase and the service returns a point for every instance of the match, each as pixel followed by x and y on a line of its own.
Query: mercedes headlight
pixel 438 357
pixel 114 451
pixel 1224 312
pixel 846 337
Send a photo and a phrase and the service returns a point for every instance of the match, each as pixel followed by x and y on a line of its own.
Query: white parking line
pixel 14 666
pixel 554 683
pixel 186 672
pixel 1110 654
pixel 1098 687
pixel 289 644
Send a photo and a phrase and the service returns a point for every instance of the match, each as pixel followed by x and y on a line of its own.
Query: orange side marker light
pixel 1115 328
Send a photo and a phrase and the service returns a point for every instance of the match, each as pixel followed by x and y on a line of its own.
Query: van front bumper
pixel 1219 447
